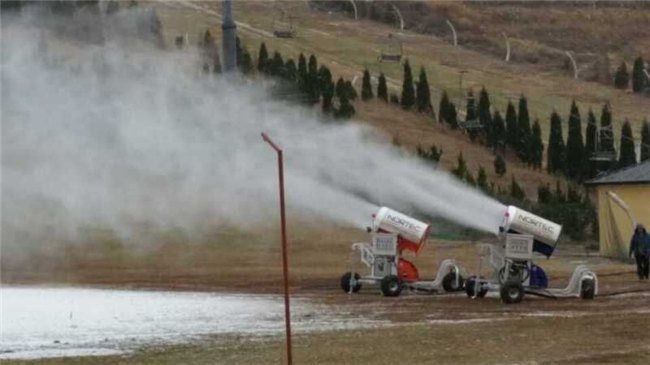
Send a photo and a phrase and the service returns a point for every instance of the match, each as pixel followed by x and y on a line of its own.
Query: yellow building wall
pixel 615 228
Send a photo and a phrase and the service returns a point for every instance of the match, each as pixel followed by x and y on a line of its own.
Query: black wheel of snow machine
pixel 450 284
pixel 469 288
pixel 345 282
pixel 512 292
pixel 588 288
pixel 391 286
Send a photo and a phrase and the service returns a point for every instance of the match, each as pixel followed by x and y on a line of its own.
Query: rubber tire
pixel 588 289
pixel 391 286
pixel 469 288
pixel 345 282
pixel 449 283
pixel 512 292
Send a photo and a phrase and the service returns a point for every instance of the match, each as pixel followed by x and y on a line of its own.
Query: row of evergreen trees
pixel 580 160
pixel 639 79
pixel 308 83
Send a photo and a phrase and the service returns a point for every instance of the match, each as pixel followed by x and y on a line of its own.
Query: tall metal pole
pixel 229 36
pixel 285 264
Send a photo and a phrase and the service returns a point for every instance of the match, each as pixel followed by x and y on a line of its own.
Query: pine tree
pixel 622 78
pixel 512 132
pixel 556 155
pixel 516 191
pixel 485 117
pixel 524 139
pixel 366 88
pixel 382 89
pixel 326 87
pixel 452 115
pixel 536 151
pixel 423 93
pixel 628 155
pixel 350 90
pixel 499 165
pixel 302 68
pixel 262 59
pixel 481 180
pixel 345 110
pixel 591 138
pixel 275 67
pixel 499 132
pixel 575 150
pixel 408 92
pixel 340 88
pixel 606 140
pixel 443 109
pixel 639 81
pixel 471 112
pixel 645 141
pixel 291 71
pixel 461 167
pixel 313 89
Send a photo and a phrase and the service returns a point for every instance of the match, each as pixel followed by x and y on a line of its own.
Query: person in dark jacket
pixel 640 247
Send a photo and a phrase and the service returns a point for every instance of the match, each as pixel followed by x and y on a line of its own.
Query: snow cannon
pixel 545 233
pixel 511 258
pixel 393 234
pixel 411 233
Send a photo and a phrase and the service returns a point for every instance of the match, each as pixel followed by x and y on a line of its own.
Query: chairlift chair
pixel 392 50
pixel 282 29
pixel 470 125
pixel 599 155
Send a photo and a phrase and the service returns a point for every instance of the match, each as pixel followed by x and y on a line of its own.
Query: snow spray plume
pixel 116 137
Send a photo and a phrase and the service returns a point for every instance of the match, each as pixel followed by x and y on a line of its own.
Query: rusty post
pixel 285 264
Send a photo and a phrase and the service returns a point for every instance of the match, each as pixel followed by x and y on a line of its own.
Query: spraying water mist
pixel 121 136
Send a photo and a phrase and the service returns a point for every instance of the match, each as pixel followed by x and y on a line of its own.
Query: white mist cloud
pixel 118 136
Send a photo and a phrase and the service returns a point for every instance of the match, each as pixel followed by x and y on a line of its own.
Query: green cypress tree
pixel 536 154
pixel 606 138
pixel 575 150
pixel 485 117
pixel 443 109
pixel 313 88
pixel 628 155
pixel 516 191
pixel 350 90
pixel 622 78
pixel 366 88
pixel 499 132
pixel 452 115
pixel 340 88
pixel 481 180
pixel 645 141
pixel 556 156
pixel 461 167
pixel 639 81
pixel 408 92
pixel 512 131
pixel 291 70
pixel 302 68
pixel 471 112
pixel 524 143
pixel 262 59
pixel 591 137
pixel 346 109
pixel 423 93
pixel 326 87
pixel 275 67
pixel 500 165
pixel 382 89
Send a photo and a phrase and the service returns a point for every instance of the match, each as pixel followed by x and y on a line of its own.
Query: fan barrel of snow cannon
pixel 544 232
pixel 412 233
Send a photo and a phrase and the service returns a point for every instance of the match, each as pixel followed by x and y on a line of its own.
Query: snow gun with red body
pixel 393 235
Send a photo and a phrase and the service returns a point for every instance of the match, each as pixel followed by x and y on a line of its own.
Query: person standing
pixel 640 247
